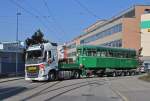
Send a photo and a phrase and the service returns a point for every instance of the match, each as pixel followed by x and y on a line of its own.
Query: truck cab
pixel 41 62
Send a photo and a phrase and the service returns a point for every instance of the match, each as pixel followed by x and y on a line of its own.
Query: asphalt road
pixel 89 89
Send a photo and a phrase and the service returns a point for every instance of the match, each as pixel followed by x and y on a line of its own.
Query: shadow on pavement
pixel 10 91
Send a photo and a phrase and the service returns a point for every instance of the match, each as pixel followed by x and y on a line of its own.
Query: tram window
pixel 103 54
pixel 84 53
pixel 119 55
pixel 93 53
pixel 90 53
pixel 133 55
pixel 127 55
pixel 79 52
pixel 98 53
pixel 111 54
pixel 107 54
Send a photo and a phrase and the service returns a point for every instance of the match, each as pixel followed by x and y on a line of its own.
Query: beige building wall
pixel 145 36
pixel 131 33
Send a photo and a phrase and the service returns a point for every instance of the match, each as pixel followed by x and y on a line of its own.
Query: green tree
pixel 36 38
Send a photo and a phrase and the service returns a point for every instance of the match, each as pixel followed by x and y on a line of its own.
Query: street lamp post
pixel 17 44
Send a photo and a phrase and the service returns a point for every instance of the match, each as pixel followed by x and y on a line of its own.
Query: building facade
pixel 10 54
pixel 122 30
pixel 145 39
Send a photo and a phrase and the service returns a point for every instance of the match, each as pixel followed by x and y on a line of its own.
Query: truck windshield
pixel 34 54
pixel 34 57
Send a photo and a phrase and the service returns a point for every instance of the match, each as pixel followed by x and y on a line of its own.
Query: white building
pixel 9 51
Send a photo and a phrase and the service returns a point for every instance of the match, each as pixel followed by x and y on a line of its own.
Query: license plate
pixel 31 68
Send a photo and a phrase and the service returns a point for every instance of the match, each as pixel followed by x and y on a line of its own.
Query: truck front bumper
pixel 38 79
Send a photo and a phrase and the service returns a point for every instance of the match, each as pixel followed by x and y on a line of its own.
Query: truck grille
pixel 32 71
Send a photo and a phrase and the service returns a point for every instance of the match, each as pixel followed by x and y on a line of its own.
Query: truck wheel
pixel 132 73
pixel 114 74
pixel 51 76
pixel 127 73
pixel 76 75
pixel 122 73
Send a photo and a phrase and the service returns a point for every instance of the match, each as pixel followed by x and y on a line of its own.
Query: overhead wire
pixel 29 12
pixel 44 17
pixel 53 18
pixel 86 9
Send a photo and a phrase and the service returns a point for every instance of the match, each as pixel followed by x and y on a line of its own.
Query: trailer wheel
pixel 132 73
pixel 122 73
pixel 127 73
pixel 76 75
pixel 51 76
pixel 114 74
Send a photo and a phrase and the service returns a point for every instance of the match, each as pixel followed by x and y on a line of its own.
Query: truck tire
pixel 127 73
pixel 132 73
pixel 51 76
pixel 76 75
pixel 122 73
pixel 114 74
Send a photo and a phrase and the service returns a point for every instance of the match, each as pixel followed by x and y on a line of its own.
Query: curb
pixel 11 79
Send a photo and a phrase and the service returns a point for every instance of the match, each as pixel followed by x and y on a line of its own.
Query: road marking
pixel 121 95
pixel 116 91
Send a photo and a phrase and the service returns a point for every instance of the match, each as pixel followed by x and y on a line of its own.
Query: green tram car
pixel 100 60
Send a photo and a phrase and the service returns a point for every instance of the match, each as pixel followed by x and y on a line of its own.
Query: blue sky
pixel 64 20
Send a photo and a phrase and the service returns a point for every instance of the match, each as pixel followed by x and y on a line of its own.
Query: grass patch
pixel 145 77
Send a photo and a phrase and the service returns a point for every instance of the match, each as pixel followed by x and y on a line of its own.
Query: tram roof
pixel 105 48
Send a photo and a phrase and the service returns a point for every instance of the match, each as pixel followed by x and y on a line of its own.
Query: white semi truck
pixel 42 63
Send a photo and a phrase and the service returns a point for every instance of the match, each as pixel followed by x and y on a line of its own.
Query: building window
pixel 147 11
pixel 115 29
pixel 116 43
pixel 129 14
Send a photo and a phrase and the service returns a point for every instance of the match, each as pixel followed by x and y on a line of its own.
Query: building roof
pixel 11 47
